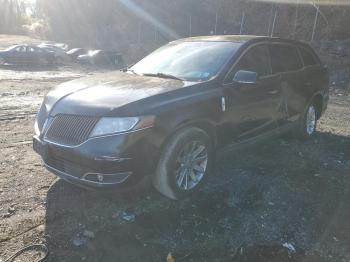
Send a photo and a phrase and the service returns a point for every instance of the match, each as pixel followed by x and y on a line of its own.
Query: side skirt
pixel 237 146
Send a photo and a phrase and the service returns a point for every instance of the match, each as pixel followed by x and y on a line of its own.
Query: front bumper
pixel 101 162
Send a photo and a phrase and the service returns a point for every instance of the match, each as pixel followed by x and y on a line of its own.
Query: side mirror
pixel 245 77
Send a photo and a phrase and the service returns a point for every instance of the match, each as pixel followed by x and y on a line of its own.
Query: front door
pixel 18 55
pixel 252 108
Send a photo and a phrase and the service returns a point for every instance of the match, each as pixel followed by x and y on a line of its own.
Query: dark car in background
pixel 26 54
pixel 75 52
pixel 168 114
pixel 102 57
pixel 59 52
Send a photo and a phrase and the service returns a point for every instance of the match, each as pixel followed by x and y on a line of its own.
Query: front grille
pixel 70 129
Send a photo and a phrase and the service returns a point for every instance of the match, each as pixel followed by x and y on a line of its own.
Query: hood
pixel 104 94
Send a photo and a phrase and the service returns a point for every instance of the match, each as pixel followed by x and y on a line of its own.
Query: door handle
pixel 308 84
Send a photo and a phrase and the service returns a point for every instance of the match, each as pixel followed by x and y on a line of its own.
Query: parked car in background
pixel 102 57
pixel 26 54
pixel 168 114
pixel 60 53
pixel 75 52
pixel 62 45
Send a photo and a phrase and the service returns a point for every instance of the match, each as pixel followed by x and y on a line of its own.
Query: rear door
pixel 33 55
pixel 315 76
pixel 286 62
pixel 251 109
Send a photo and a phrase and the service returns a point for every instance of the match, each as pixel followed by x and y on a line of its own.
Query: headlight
pixel 111 125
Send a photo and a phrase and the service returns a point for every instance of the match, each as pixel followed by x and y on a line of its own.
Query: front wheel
pixel 184 164
pixel 308 123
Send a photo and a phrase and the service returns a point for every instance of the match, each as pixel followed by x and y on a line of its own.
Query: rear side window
pixel 256 59
pixel 284 58
pixel 20 49
pixel 308 58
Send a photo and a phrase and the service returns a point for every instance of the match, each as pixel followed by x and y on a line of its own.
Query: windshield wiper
pixel 162 75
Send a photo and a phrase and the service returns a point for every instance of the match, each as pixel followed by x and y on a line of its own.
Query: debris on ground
pixel 170 258
pixel 79 241
pixel 290 247
pixel 88 234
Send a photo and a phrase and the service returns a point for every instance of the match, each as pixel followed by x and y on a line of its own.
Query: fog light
pixel 100 178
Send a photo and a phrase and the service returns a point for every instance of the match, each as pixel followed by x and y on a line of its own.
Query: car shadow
pixel 274 202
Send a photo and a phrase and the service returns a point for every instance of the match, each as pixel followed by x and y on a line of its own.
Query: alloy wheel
pixel 191 165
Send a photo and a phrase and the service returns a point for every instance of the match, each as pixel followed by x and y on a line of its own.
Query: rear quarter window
pixel 284 58
pixel 308 57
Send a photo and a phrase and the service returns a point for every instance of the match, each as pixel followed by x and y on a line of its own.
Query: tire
pixel 308 123
pixel 184 164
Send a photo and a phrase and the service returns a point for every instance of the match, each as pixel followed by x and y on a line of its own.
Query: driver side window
pixel 256 59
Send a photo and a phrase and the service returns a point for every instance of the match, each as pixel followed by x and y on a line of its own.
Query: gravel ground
pixel 284 200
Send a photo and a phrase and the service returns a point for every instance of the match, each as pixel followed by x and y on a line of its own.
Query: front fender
pixel 203 111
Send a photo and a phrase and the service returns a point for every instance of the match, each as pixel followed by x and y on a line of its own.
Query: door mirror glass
pixel 245 77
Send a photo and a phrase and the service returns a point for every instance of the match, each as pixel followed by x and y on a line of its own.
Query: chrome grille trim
pixel 70 129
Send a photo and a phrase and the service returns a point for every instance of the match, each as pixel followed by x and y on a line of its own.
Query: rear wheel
pixel 308 123
pixel 185 163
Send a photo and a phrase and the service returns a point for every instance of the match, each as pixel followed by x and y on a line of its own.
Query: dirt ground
pixel 284 200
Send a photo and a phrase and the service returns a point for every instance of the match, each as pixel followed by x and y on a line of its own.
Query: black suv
pixel 166 115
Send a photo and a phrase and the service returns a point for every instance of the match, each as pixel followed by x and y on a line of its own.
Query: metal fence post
pixel 269 23
pixel 242 23
pixel 296 20
pixel 315 24
pixel 216 22
pixel 273 24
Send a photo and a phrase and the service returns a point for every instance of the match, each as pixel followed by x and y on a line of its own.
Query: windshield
pixel 191 61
